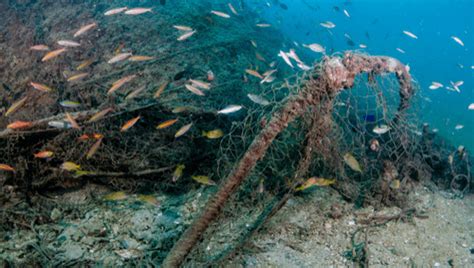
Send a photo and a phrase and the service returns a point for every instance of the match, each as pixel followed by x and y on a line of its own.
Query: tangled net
pixel 313 120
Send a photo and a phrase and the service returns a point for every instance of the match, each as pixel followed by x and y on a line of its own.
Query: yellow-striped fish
pixel 15 106
pixel 204 180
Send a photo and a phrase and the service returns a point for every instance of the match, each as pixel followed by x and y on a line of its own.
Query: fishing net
pixel 142 160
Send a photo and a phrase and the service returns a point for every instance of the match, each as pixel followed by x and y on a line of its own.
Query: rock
pixel 73 252
pixel 55 214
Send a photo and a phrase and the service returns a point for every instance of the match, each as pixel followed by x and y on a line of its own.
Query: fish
pixel 457 84
pixel 180 109
pixel 292 54
pixel 40 87
pixel 194 90
pixel 19 125
pixel 186 35
pixel 85 29
pixel 395 184
pixel 84 64
pixel 140 58
pixel 183 130
pixel 362 46
pixel 72 121
pixel 435 85
pixel 119 83
pixel 220 14
pixel 70 166
pixel 166 123
pixel 451 159
pixel 263 25
pixel 315 47
pixel 200 84
pixel 382 129
pixel 161 89
pixel 314 181
pixel 148 199
pixel 261 186
pixel 138 11
pixel 457 40
pixel 400 50
pixel 183 28
pixel 69 104
pixel 53 54
pixel 232 9
pixel 119 57
pixel 459 127
pixel 94 149
pixel 135 93
pixel 77 77
pixel 178 172
pixel 346 13
pixel 254 44
pixel 130 123
pixel 116 196
pixel 254 73
pixel 68 43
pixel 44 154
pixel 15 106
pixel 471 107
pixel 260 57
pixel 40 48
pixel 258 100
pixel 98 116
pixel 203 180
pixel 230 109
pixel 6 167
pixel 115 11
pixel 352 162
pixel 213 134
pixel 59 124
pixel 284 56
pixel 328 24
pixel 410 34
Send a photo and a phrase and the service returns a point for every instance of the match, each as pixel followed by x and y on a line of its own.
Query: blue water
pixel 434 56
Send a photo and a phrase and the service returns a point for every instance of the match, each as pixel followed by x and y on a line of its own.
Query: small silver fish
pixel 60 124
pixel 230 109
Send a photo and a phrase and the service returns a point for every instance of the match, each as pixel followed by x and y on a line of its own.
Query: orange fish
pixel 53 54
pixel 44 154
pixel 129 124
pixel 6 167
pixel 119 83
pixel 99 115
pixel 94 148
pixel 254 73
pixel 71 120
pixel 161 89
pixel 166 123
pixel 84 137
pixel 40 87
pixel 97 136
pixel 20 125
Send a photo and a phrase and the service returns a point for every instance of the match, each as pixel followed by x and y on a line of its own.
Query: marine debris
pixel 208 105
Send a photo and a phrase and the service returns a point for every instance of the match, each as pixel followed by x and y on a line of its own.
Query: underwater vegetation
pixel 199 100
